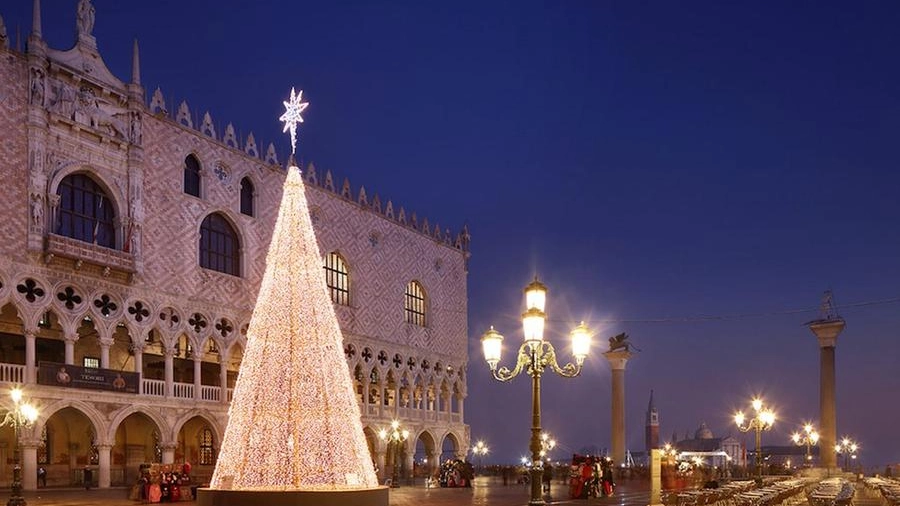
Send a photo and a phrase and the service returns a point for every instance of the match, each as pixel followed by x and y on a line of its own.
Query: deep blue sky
pixel 647 159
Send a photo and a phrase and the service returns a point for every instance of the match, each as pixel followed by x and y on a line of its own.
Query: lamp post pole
pixel 534 356
pixel 763 419
pixel 22 415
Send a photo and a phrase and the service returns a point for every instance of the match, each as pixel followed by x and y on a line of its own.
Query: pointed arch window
pixel 338 278
pixel 219 246
pixel 414 304
pixel 247 196
pixel 85 211
pixel 192 175
pixel 207 457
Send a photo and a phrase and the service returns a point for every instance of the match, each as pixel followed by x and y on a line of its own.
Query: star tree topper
pixel 293 108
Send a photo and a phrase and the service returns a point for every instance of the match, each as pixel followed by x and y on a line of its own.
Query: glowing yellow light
pixel 294 385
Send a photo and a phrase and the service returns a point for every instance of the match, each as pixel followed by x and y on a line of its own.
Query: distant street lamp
pixel 849 448
pixel 22 415
pixel 547 445
pixel 534 356
pixel 763 419
pixel 808 437
pixel 394 438
pixel 670 453
pixel 480 449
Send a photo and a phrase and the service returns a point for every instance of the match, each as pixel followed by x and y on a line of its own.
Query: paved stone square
pixel 486 491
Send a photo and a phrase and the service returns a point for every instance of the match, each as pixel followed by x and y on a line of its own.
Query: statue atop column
pixel 85 20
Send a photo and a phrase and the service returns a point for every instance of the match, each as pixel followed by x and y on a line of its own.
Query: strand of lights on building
pixel 294 422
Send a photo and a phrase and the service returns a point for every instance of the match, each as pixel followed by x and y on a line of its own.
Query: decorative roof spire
pixel 36 19
pixel 135 64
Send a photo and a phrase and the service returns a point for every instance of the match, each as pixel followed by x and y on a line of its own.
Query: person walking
pixel 547 477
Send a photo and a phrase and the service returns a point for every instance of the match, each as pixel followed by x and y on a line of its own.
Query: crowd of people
pixel 162 483
pixel 456 473
pixel 590 476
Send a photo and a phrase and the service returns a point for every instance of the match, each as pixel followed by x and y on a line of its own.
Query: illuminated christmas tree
pixel 294 422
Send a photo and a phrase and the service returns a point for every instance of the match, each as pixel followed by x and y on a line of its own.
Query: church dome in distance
pixel 703 432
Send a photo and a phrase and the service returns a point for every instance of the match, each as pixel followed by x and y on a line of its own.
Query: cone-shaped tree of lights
pixel 294 422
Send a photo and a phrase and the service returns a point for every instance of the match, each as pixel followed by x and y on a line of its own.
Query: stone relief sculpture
pixel 85 21
pixel 63 101
pixel 100 113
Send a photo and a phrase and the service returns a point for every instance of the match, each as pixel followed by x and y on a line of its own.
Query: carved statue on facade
pixel 136 127
pixel 4 39
pixel 85 21
pixel 37 87
pixel 37 210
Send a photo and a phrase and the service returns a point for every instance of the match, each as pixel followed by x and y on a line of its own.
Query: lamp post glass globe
pixel 534 356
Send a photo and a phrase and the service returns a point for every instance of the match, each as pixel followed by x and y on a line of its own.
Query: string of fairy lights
pixel 294 422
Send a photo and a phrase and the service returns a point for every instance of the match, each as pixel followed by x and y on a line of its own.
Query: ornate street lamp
pixel 808 437
pixel 394 439
pixel 849 448
pixel 22 415
pixel 763 419
pixel 480 449
pixel 534 356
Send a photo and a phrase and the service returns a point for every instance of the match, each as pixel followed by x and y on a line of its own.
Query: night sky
pixel 696 174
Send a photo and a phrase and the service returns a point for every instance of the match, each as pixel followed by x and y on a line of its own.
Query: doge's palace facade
pixel 134 243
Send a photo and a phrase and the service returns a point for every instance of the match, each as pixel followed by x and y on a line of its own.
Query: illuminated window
pixel 247 196
pixel 91 362
pixel 192 176
pixel 85 211
pixel 206 447
pixel 219 248
pixel 414 304
pixel 337 278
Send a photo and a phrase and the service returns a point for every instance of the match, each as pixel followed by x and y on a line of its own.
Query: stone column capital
pixel 617 359
pixel 827 331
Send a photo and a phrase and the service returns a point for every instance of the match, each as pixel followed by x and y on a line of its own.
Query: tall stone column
pixel 617 360
pixel 827 331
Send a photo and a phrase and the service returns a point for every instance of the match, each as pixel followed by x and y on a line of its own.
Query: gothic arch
pixel 127 411
pixel 218 433
pixel 118 200
pixel 94 416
